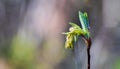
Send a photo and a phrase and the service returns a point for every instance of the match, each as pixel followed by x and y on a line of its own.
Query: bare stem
pixel 88 53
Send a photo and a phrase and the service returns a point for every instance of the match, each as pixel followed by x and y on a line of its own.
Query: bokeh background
pixel 30 34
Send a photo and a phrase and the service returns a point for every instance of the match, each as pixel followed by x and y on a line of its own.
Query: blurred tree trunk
pixel 11 12
pixel 104 48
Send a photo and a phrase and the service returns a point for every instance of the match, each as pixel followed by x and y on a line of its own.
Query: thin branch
pixel 88 53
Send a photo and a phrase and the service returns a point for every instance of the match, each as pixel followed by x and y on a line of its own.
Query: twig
pixel 88 53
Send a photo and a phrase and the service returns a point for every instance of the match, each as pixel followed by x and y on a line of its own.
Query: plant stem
pixel 88 53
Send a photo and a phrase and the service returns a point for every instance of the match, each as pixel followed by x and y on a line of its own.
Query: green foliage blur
pixel 22 54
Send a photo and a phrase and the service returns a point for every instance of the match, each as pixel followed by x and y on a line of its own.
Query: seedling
pixel 75 31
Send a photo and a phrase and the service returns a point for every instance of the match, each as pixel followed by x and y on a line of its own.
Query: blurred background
pixel 30 34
